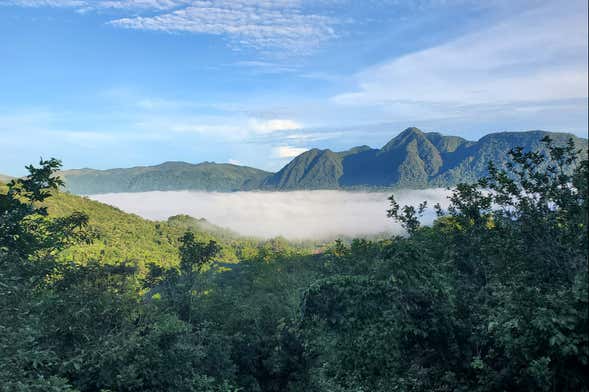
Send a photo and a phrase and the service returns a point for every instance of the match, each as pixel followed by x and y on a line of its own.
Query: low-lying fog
pixel 294 215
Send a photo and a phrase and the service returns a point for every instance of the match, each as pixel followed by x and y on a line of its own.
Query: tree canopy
pixel 492 296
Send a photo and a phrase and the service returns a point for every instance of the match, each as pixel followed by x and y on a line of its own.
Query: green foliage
pixel 126 237
pixel 69 327
pixel 194 255
pixel 493 296
pixel 408 216
pixel 24 226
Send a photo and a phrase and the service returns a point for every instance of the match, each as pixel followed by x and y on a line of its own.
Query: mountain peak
pixel 312 169
pixel 404 138
pixel 411 131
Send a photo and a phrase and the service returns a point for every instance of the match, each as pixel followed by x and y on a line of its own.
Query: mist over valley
pixel 321 214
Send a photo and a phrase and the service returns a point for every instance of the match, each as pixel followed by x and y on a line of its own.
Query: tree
pixel 196 255
pixel 24 226
pixel 408 216
pixel 181 287
pixel 517 244
pixel 28 241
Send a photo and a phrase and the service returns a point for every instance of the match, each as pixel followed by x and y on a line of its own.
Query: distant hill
pixel 168 176
pixel 412 159
pixel 4 178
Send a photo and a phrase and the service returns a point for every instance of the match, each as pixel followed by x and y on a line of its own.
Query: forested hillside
pixel 169 176
pixel 492 297
pixel 412 159
pixel 117 236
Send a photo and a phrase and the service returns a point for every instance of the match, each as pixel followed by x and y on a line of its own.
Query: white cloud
pixel 47 3
pixel 87 5
pixel 235 162
pixel 264 25
pixel 258 24
pixel 139 4
pixel 540 55
pixel 268 126
pixel 287 151
pixel 228 127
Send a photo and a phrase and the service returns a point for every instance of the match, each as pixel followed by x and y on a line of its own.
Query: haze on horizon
pixel 103 83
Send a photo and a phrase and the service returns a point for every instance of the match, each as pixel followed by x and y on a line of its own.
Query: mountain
pixel 412 159
pixel 168 176
pixel 409 159
pixel 314 169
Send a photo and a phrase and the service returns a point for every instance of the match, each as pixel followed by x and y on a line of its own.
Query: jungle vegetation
pixel 492 296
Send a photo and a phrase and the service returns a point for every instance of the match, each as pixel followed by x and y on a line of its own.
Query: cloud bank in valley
pixel 294 215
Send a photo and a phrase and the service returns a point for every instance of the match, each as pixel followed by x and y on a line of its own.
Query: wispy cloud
pixel 137 4
pixel 86 5
pixel 265 25
pixel 287 151
pixel 266 67
pixel 278 124
pixel 537 56
pixel 261 25
pixel 227 127
pixel 45 3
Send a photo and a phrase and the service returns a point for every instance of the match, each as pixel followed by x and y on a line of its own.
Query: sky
pixel 121 83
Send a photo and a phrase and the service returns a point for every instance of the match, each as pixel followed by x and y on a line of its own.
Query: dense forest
pixel 492 296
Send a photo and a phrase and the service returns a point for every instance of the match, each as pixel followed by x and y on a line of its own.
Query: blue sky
pixel 107 83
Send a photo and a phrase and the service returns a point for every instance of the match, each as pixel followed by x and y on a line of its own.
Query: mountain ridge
pixel 167 176
pixel 412 159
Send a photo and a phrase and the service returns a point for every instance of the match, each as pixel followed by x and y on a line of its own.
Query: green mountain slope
pixel 412 159
pixel 469 160
pixel 314 169
pixel 128 237
pixel 168 176
pixel 122 236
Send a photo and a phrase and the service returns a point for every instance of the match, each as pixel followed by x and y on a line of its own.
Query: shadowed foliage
pixel 491 297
